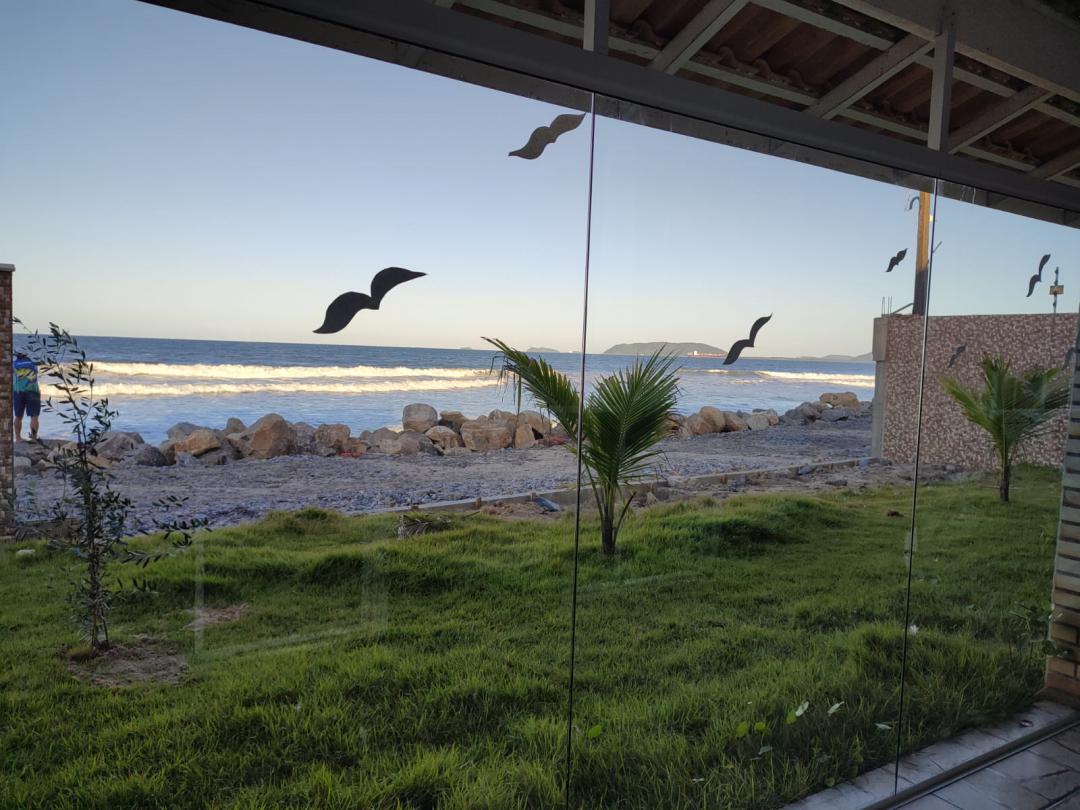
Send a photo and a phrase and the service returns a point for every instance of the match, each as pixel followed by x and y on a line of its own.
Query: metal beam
pixel 1056 166
pixel 597 21
pixel 937 137
pixel 875 73
pixel 413 54
pixel 997 115
pixel 703 27
pixel 472 45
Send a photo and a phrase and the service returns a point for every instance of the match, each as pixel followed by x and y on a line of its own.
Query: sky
pixel 169 176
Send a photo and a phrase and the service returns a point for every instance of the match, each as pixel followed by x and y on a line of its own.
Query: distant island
pixel 542 350
pixel 681 349
pixel 843 358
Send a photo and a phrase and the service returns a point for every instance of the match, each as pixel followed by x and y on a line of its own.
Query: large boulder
pixel 146 455
pixel 505 418
pixel 836 414
pixel 168 450
pixel 676 425
pixel 385 440
pixel 444 437
pixel 802 414
pixel 715 417
pixel 234 425
pixel 698 425
pixel 355 446
pixel 419 417
pixel 305 437
pixel 180 430
pixel 412 443
pixel 734 422
pixel 539 423
pixel 332 437
pixel 452 419
pixel 758 420
pixel 268 437
pixel 198 442
pixel 118 444
pixel 524 436
pixel 484 434
pixel 843 399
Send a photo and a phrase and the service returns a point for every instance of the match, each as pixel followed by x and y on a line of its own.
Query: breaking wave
pixel 253 372
pixel 743 377
pixel 137 389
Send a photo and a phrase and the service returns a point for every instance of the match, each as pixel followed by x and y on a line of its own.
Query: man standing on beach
pixel 27 396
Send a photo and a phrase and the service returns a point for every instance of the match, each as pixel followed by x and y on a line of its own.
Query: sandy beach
pixel 249 489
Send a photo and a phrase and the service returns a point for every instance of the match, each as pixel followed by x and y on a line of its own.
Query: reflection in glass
pixel 995 377
pixel 327 644
pixel 742 645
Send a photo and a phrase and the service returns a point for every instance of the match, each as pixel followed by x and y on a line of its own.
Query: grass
pixel 431 672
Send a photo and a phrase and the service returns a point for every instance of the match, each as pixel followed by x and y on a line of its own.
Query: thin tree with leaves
pixel 1010 407
pixel 99 518
pixel 625 416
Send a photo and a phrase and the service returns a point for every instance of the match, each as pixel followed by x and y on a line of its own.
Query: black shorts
pixel 28 402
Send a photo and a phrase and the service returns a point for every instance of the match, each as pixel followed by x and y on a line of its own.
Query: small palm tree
pixel 623 419
pixel 1010 407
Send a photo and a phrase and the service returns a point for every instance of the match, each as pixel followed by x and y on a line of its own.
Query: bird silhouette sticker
pixel 1035 279
pixel 543 137
pixel 895 260
pixel 344 308
pixel 959 350
pixel 738 346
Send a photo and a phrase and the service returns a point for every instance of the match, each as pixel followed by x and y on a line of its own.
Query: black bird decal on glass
pixel 895 260
pixel 959 350
pixel 1035 279
pixel 344 308
pixel 543 137
pixel 738 346
pixel 911 202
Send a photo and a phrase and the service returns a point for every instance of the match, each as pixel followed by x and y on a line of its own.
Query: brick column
pixel 7 440
pixel 1062 671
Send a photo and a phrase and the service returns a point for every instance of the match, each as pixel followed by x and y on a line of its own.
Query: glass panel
pixel 983 566
pixel 741 644
pixel 191 197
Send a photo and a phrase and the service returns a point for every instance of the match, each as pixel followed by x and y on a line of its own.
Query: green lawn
pixel 431 672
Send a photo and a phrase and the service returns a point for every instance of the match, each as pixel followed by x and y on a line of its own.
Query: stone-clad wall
pixel 947 437
pixel 7 448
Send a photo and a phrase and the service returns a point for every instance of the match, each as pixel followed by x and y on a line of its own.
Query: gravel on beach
pixel 250 489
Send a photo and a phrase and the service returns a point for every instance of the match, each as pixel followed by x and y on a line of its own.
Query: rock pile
pixel 424 432
pixel 830 407
pixel 835 407
pixel 714 420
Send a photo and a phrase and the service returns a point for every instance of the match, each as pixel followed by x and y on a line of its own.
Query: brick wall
pixel 7 446
pixel 947 436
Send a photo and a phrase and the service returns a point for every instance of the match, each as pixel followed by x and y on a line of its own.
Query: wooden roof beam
pixel 875 73
pixel 1026 40
pixel 997 115
pixel 1059 165
pixel 691 39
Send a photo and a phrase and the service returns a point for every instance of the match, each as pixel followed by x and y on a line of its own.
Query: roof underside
pixel 982 94
pixel 794 53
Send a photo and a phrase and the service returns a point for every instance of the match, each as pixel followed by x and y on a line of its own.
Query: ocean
pixel 154 383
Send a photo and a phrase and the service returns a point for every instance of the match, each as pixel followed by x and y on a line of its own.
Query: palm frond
pixel 551 389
